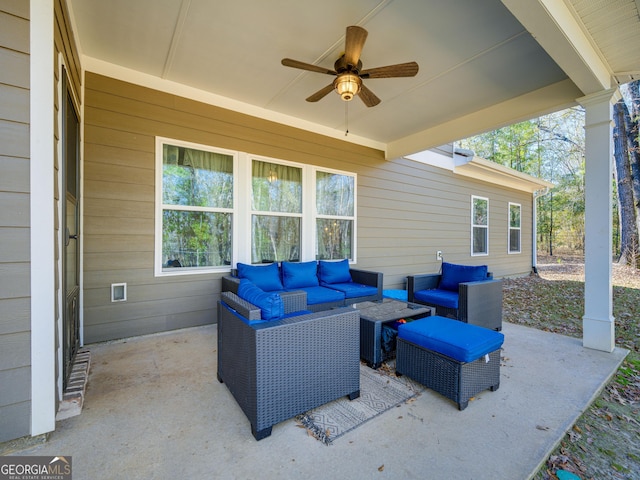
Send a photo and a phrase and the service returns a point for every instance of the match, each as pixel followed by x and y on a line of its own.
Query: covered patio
pixel 154 411
pixel 94 87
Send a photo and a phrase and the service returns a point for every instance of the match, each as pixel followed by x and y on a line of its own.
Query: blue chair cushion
pixel 270 304
pixel 299 275
pixel 444 298
pixel 316 295
pixel 453 274
pixel 334 272
pixel 266 277
pixel 458 340
pixel 354 290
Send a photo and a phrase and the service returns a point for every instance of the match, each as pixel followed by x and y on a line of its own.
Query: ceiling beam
pixel 556 29
pixel 546 100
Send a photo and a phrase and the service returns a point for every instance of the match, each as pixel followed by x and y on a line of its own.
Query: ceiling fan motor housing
pixel 347 85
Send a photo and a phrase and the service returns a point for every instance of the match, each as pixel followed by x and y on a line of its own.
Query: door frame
pixel 65 87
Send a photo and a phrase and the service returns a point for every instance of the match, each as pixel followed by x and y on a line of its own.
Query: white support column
pixel 43 339
pixel 598 322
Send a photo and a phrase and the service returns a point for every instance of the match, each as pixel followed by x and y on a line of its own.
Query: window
pixel 335 215
pixel 479 226
pixel 276 212
pixel 216 207
pixel 514 227
pixel 195 190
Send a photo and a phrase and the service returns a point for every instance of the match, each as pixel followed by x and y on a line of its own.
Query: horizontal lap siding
pixel 121 123
pixel 406 210
pixel 15 338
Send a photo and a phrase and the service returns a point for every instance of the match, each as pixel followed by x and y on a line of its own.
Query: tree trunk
pixel 628 224
pixel 632 122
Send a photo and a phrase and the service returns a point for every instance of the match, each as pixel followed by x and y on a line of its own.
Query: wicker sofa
pixel 328 284
pixel 281 367
pixel 466 293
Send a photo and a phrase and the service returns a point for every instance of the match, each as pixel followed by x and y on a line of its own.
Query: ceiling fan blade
pixel 409 69
pixel 288 62
pixel 320 93
pixel 368 97
pixel 354 42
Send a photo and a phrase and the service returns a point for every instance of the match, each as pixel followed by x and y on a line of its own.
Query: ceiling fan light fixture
pixel 347 85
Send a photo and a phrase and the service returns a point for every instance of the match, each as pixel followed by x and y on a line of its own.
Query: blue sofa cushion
pixel 458 340
pixel 334 272
pixel 444 298
pixel 354 290
pixel 453 274
pixel 316 295
pixel 299 275
pixel 266 277
pixel 270 304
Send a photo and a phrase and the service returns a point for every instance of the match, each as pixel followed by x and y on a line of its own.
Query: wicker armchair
pixel 281 368
pixel 479 303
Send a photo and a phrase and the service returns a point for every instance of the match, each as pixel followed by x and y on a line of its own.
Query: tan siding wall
pixel 15 339
pixel 406 210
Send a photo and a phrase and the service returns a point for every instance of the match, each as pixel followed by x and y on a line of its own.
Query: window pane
pixel 275 239
pixel 480 239
pixel 514 240
pixel 276 188
pixel 480 208
pixel 195 239
pixel 514 216
pixel 196 178
pixel 335 194
pixel 335 239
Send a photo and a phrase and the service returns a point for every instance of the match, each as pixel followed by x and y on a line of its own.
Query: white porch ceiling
pixel 483 64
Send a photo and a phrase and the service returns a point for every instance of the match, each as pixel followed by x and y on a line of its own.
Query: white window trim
pixel 248 212
pixel 159 208
pixel 473 198
pixel 316 215
pixel 242 212
pixel 509 228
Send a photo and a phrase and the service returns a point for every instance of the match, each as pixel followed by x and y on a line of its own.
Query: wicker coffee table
pixel 373 315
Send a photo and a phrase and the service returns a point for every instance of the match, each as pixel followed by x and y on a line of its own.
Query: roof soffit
pixel 554 26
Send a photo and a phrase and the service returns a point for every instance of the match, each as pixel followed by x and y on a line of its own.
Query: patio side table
pixel 373 315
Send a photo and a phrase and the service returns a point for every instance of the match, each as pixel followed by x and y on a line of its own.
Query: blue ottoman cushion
pixel 458 340
pixel 395 294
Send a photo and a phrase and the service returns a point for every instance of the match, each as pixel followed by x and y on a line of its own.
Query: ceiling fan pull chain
pixel 346 118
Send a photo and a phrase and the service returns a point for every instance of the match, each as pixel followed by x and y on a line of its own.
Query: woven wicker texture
pixel 479 303
pixel 455 380
pixel 276 370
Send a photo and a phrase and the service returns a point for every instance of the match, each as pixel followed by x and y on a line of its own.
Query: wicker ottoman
pixel 456 359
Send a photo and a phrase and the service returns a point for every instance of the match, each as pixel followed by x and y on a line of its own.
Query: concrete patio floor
pixel 154 410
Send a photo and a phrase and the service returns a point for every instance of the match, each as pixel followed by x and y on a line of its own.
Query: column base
pixel 598 334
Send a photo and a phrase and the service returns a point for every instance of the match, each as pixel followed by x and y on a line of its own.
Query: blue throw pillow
pixel 266 277
pixel 299 275
pixel 334 272
pixel 270 304
pixel 453 274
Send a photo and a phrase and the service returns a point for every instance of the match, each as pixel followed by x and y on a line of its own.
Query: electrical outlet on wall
pixel 439 255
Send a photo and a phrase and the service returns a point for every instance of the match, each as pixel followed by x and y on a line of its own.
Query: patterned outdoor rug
pixel 380 390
